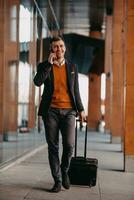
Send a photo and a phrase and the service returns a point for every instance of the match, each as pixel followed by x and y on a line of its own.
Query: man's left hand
pixel 82 116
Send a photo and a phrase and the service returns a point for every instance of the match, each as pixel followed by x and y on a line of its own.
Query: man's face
pixel 58 47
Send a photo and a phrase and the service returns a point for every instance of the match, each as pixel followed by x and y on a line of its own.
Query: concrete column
pixel 2 67
pixel 9 58
pixel 117 115
pixel 129 107
pixel 32 62
pixel 94 104
pixel 94 113
pixel 108 70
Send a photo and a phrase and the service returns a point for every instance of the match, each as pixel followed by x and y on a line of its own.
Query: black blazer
pixel 45 76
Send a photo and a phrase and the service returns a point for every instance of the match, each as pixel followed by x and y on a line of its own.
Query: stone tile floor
pixel 30 179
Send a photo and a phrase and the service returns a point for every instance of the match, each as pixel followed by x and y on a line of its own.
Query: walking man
pixel 60 104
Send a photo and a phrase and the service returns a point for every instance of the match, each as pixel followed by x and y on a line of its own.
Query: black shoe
pixel 65 180
pixel 56 188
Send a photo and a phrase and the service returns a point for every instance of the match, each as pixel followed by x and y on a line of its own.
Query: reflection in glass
pixel 24 67
pixel 23 93
pixel 24 74
pixel 13 23
pixel 24 24
pixel 83 85
pixel 103 93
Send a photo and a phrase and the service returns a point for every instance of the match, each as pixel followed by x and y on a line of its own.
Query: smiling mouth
pixel 59 53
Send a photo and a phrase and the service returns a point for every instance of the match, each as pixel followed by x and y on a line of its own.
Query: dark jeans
pixel 62 120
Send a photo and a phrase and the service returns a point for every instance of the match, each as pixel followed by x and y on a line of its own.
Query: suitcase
pixel 83 170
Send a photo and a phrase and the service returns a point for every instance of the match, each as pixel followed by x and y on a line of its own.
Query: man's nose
pixel 58 47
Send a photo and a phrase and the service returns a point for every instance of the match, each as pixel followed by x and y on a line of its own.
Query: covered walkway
pixel 108 152
pixel 99 39
pixel 27 176
pixel 29 179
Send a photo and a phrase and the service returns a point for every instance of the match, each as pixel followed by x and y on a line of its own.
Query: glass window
pixel 13 23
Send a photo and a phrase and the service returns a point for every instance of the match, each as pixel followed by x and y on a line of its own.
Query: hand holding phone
pixel 52 57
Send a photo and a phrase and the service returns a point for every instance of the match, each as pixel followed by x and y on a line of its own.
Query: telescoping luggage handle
pixel 85 145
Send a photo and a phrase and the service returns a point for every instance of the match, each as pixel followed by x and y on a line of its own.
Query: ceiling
pixel 72 16
pixel 74 19
pixel 75 16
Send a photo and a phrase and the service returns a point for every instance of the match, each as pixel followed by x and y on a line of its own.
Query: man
pixel 59 105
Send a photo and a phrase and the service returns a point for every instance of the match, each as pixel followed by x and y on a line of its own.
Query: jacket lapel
pixel 52 79
pixel 68 69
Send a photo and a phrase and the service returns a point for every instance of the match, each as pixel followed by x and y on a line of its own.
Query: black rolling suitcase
pixel 83 170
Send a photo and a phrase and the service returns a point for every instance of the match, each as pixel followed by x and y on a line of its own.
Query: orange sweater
pixel 61 97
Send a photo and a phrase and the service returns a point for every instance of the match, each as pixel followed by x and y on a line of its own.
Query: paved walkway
pixel 29 179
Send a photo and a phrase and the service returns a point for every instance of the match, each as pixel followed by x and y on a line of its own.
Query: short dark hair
pixel 57 38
